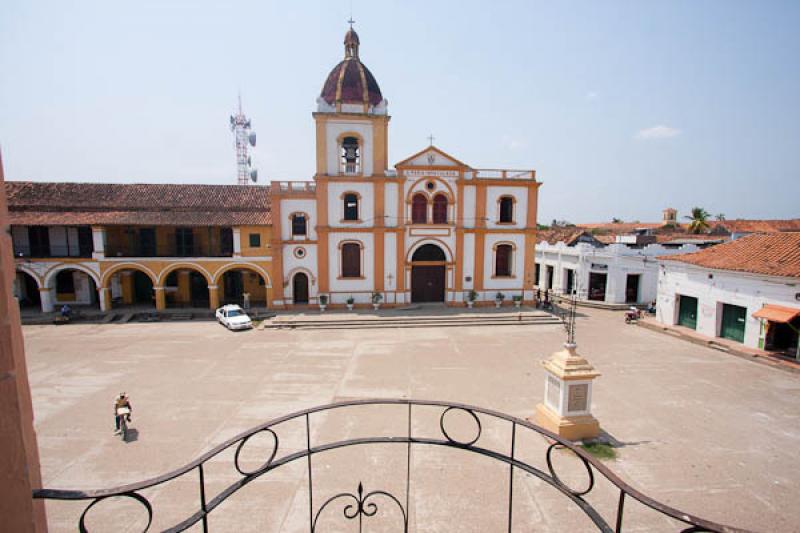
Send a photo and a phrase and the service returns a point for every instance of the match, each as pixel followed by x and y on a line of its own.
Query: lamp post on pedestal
pixel 567 407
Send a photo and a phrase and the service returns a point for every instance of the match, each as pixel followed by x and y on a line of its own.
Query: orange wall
pixel 266 235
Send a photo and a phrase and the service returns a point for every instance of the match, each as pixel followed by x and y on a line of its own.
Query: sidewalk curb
pixel 774 362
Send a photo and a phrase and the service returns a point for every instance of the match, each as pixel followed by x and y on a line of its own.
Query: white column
pixel 102 296
pixel 237 242
pixel 99 242
pixel 46 296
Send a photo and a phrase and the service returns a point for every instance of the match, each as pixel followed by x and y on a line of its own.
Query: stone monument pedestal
pixel 566 410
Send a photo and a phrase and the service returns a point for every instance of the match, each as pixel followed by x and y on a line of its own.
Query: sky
pixel 623 108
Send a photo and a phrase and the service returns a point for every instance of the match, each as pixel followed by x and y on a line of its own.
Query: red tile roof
pixel 32 203
pixel 758 226
pixel 714 226
pixel 773 254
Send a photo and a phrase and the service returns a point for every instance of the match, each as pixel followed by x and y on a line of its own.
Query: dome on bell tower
pixel 350 83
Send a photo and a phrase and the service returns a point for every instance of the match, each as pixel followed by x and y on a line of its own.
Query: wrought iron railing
pixel 360 505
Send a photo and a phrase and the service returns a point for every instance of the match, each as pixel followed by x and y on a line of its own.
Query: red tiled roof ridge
pixel 32 202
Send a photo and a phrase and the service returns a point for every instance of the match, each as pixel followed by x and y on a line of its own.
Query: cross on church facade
pixel 431 138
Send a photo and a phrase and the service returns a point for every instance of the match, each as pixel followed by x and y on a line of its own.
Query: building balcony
pixel 169 251
pixel 51 251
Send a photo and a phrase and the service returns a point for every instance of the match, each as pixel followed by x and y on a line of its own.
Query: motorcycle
pixel 632 315
pixel 124 416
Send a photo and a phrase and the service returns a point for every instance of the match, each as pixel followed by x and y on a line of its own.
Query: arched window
pixel 440 209
pixel 506 209
pixel 419 209
pixel 351 260
pixel 298 224
pixel 502 261
pixel 351 156
pixel 351 206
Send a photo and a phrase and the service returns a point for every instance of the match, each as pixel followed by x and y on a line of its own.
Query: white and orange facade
pixel 431 229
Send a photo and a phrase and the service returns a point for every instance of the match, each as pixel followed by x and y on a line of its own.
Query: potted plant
pixel 376 300
pixel 323 302
pixel 517 300
pixel 498 299
pixel 350 301
pixel 471 297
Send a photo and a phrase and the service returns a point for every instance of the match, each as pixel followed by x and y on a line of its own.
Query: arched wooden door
pixel 300 288
pixel 428 271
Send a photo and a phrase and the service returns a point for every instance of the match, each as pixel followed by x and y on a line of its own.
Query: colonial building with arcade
pixel 431 229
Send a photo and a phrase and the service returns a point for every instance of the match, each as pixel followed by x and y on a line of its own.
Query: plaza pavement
pixel 703 431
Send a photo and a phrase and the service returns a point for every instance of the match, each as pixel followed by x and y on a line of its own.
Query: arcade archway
pixel 242 286
pixel 26 289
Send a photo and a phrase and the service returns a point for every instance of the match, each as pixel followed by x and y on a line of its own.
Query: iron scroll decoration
pixel 359 506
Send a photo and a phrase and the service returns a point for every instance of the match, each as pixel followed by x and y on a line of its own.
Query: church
pixel 430 229
pixel 433 229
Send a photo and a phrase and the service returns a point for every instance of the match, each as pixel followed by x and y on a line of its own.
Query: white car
pixel 233 317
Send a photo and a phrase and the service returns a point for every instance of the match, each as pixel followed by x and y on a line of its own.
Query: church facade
pixel 433 229
pixel 430 229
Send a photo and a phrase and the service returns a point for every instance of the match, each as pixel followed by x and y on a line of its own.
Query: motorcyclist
pixel 122 401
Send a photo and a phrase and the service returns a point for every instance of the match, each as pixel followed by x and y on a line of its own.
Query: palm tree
pixel 720 217
pixel 699 220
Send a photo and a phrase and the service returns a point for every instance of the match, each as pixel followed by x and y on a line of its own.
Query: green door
pixel 687 312
pixel 733 320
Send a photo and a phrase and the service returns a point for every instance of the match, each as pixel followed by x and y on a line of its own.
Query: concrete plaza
pixel 700 430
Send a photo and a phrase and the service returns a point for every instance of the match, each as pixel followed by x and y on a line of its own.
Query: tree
pixel 699 220
pixel 720 217
pixel 616 220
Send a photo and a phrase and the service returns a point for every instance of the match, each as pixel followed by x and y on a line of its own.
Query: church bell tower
pixel 352 119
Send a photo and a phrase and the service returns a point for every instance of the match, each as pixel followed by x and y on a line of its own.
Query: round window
pixel 430 185
pixel 299 252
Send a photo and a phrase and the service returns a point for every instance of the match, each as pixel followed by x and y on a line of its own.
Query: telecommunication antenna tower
pixel 244 138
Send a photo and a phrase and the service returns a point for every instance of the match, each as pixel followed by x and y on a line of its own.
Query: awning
pixel 777 313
